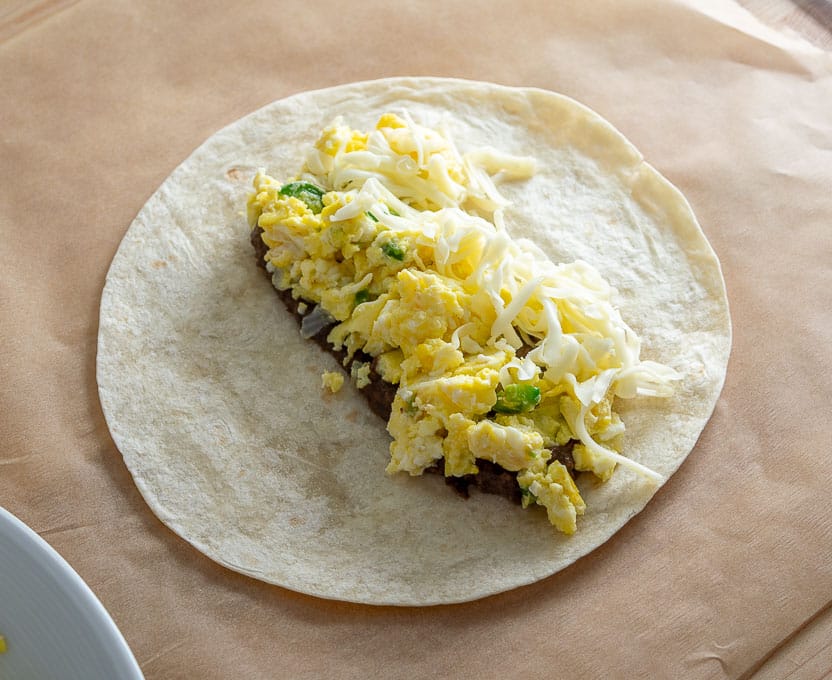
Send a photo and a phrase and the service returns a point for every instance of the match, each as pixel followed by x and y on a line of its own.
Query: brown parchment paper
pixel 101 100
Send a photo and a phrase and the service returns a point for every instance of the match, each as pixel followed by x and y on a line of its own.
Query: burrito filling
pixel 491 363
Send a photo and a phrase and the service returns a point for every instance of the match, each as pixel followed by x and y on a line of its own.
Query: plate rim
pixel 81 596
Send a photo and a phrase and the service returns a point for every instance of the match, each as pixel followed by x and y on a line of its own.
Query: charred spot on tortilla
pixel 491 364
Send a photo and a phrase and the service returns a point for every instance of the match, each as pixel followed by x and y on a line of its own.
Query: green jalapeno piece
pixel 306 192
pixel 393 250
pixel 517 399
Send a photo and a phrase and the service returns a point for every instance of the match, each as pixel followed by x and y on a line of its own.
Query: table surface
pixel 812 19
pixel 806 653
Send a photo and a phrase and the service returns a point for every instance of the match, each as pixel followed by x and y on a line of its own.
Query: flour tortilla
pixel 215 401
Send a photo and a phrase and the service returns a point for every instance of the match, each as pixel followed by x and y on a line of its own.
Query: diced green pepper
pixel 306 192
pixel 527 498
pixel 517 399
pixel 362 296
pixel 393 250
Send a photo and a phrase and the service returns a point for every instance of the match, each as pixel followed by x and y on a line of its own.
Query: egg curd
pixel 499 353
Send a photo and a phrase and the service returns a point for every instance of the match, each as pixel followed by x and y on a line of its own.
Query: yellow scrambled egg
pixel 332 381
pixel 399 238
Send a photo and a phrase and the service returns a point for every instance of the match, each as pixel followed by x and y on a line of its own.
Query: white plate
pixel 53 624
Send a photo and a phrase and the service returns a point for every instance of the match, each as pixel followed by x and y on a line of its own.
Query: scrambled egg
pixel 499 354
pixel 332 381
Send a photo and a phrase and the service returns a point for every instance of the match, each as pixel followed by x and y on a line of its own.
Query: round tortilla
pixel 215 401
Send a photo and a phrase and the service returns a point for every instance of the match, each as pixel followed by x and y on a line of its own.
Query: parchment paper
pixel 101 100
